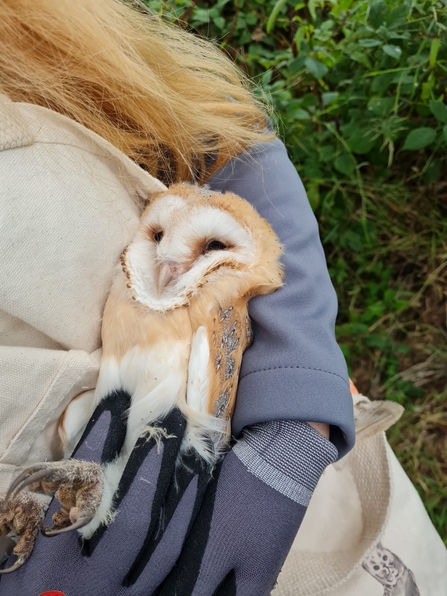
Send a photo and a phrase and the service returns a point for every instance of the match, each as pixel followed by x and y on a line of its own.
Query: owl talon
pixel 14 567
pixel 21 515
pixel 82 521
pixel 27 477
pixel 78 486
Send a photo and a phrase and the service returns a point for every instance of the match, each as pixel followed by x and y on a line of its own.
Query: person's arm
pixel 294 369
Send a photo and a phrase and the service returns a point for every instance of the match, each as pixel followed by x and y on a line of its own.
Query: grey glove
pixel 231 541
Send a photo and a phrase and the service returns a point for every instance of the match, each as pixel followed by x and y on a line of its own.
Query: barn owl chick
pixel 174 329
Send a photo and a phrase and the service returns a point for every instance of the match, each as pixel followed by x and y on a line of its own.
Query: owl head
pixel 191 237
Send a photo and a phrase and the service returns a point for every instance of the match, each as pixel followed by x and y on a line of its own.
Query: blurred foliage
pixel 359 92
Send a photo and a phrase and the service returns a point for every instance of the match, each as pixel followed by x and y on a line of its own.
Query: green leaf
pixel 298 114
pixel 344 164
pixel 423 110
pixel 327 153
pixel 397 16
pixel 311 5
pixel 311 170
pixel 245 38
pixel 309 100
pixel 313 194
pixel 380 106
pixel 299 38
pixel 377 13
pixel 439 110
pixel 219 22
pixel 361 141
pixel 434 49
pixel 201 15
pixel 361 57
pixel 326 25
pixel 353 240
pixel 329 97
pixel 419 138
pixel 393 51
pixel 377 341
pixel 381 82
pixel 251 18
pixel 274 15
pixel 433 171
pixel 427 87
pixel 369 43
pixel 240 23
pixel 266 77
pixel 297 64
pixel 316 68
pixel 444 132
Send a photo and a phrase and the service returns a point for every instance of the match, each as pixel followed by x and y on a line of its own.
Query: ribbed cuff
pixel 289 456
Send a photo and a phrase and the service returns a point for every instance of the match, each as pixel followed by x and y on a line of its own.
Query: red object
pixel 52 593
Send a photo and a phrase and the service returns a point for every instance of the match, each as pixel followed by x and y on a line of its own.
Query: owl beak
pixel 169 274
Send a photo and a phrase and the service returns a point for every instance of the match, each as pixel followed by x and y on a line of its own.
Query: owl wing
pixel 229 335
pixel 215 360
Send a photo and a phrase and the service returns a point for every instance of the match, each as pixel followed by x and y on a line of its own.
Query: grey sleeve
pixel 294 369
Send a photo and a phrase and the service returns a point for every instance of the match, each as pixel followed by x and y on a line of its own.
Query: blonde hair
pixel 172 102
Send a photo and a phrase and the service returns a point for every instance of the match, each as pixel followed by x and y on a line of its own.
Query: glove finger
pixel 105 433
pixel 183 576
pixel 228 585
pixel 190 468
pixel 174 426
pixel 169 549
pixel 135 496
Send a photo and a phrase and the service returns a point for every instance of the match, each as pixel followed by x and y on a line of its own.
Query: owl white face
pixel 179 246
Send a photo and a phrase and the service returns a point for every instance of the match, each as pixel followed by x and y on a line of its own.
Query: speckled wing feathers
pixel 230 334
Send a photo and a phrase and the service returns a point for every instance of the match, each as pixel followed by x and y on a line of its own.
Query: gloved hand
pixel 251 513
pixel 236 544
pixel 62 562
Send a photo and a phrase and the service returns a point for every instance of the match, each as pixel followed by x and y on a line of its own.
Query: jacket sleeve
pixel 294 369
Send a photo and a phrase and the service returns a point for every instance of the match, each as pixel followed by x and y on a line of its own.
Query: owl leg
pixel 21 516
pixel 78 486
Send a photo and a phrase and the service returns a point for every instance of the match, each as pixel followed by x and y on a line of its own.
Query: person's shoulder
pixel 24 124
pixel 14 131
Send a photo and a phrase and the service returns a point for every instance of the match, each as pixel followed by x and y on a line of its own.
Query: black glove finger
pixel 111 409
pixel 184 574
pixel 174 427
pixel 189 467
pixel 228 585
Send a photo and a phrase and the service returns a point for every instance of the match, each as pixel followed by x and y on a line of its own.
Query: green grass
pixel 359 91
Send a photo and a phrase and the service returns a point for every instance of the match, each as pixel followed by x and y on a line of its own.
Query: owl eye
pixel 215 245
pixel 158 236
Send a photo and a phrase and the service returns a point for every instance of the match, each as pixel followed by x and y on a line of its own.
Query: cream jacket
pixel 55 176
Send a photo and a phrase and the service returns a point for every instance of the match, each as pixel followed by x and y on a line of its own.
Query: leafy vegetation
pixel 359 90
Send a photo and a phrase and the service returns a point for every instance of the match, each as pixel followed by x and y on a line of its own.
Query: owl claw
pixel 82 521
pixel 17 565
pixel 26 478
pixel 21 515
pixel 78 485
